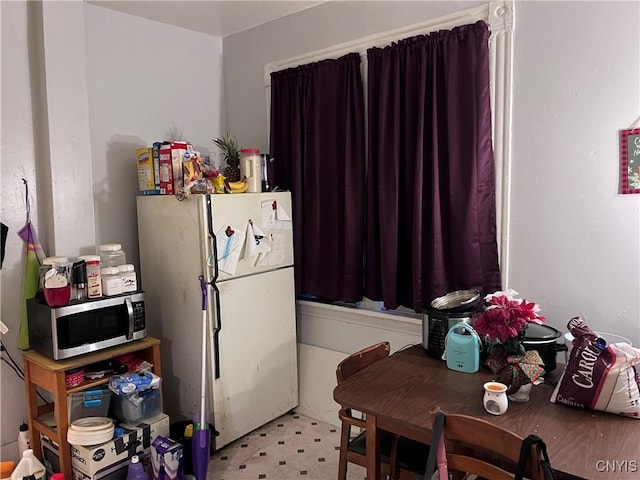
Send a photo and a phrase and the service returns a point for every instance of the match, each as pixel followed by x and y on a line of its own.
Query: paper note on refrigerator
pixel 274 216
pixel 229 244
pixel 276 256
pixel 255 241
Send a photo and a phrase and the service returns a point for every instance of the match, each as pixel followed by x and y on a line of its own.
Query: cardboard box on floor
pixel 95 462
pixel 167 460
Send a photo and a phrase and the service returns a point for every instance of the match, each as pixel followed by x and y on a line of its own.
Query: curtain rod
pixel 361 45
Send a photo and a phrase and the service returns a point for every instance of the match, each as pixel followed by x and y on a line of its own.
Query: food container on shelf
pixel 57 288
pixel 250 168
pixel 51 262
pixel 111 255
pixel 89 403
pixel 74 377
pixel 138 405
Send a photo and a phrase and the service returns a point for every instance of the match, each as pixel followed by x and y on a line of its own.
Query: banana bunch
pixel 222 185
pixel 237 187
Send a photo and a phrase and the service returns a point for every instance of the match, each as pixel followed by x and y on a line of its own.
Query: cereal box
pixel 166 169
pixel 178 150
pixel 146 173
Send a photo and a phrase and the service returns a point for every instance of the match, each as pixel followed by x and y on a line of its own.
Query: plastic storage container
pixel 111 255
pixel 250 168
pixel 133 407
pixel 111 281
pixel 89 403
pixel 28 465
pixel 48 263
pixel 94 280
pixel 128 277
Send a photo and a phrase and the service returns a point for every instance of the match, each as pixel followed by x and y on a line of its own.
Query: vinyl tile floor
pixel 290 447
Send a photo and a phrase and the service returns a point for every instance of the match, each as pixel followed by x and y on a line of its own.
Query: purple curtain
pixel 431 226
pixel 317 140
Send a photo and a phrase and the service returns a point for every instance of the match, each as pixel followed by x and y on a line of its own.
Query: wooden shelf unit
pixel 49 375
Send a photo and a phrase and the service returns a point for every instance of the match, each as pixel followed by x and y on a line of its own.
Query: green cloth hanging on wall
pixel 31 276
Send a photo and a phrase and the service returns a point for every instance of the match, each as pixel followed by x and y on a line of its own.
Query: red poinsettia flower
pixel 506 317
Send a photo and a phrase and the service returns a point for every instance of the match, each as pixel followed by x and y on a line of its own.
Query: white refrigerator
pixel 242 244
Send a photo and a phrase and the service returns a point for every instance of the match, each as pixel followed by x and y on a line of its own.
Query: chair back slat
pixel 479 447
pixel 362 359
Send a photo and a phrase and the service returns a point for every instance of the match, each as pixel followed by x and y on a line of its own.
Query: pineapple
pixel 231 152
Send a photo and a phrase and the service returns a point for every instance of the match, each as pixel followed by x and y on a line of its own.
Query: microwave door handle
pixel 129 305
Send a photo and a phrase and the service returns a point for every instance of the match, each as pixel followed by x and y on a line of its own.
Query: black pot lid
pixel 538 331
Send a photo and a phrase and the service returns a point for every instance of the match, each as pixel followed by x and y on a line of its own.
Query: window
pixel 499 16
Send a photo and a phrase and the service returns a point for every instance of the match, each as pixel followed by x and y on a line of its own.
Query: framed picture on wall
pixel 630 160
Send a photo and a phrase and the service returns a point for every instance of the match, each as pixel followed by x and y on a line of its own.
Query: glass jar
pixel 111 255
pixel 128 278
pixel 94 279
pixel 111 281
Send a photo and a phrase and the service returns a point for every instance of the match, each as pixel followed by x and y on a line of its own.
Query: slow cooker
pixel 443 313
pixel 544 339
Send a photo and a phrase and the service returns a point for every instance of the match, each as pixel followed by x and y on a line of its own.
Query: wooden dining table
pixel 398 393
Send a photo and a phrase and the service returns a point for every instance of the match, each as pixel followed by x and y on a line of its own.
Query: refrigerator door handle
pixel 212 259
pixel 217 328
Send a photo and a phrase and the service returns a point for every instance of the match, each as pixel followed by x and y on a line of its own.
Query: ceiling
pixel 211 17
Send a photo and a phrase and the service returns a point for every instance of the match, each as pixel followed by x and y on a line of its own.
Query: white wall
pixel 17 161
pixel 574 242
pixel 142 80
pixel 147 82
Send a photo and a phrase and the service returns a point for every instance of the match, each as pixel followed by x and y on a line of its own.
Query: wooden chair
pixel 476 446
pixel 401 457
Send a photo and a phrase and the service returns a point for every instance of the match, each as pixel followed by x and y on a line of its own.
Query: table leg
pixel 373 448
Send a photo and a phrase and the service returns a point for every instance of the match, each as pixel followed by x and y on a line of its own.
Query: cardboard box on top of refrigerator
pixel 146 171
pixel 167 462
pixel 166 169
pixel 156 165
pixel 178 150
pixel 95 459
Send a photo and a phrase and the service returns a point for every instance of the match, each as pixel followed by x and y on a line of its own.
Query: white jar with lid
pixel 111 281
pixel 48 263
pixel 111 255
pixel 250 168
pixel 94 279
pixel 128 278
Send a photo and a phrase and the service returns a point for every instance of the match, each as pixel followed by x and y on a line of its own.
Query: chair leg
pixel 344 443
pixel 394 469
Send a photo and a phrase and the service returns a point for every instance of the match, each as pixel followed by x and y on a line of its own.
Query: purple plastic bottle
pixel 136 470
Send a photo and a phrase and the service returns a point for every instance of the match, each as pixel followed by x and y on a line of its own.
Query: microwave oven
pixel 87 326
